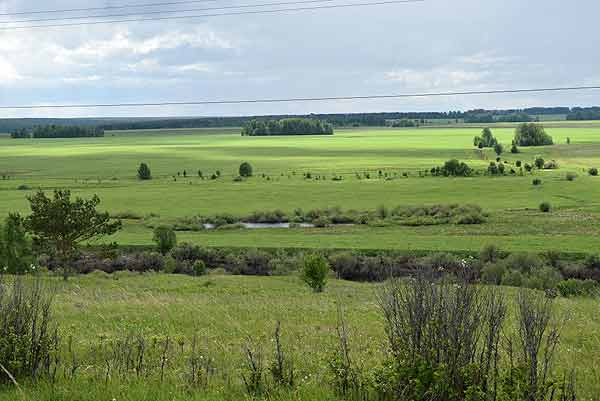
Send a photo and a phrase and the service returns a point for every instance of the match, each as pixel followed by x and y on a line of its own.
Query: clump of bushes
pixel 486 140
pixel 532 134
pixel 439 214
pixel 545 207
pixel 452 168
pixel 551 165
pixel 537 182
pixel 593 171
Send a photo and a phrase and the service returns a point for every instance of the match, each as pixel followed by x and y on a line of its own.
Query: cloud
pixel 8 73
pixel 435 78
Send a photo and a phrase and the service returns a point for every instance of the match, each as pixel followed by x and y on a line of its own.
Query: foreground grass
pixel 224 311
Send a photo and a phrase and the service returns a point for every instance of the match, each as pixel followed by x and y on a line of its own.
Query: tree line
pixel 58 131
pixel 287 126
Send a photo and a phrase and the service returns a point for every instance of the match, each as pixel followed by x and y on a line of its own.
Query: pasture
pixel 107 167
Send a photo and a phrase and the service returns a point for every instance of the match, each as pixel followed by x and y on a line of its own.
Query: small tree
pixel 246 170
pixel 593 171
pixel 15 247
pixel 165 239
pixel 498 148
pixel 514 149
pixel 144 172
pixel 64 224
pixel 314 272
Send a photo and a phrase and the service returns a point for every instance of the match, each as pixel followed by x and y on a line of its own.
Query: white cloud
pixel 198 67
pixel 435 78
pixel 8 73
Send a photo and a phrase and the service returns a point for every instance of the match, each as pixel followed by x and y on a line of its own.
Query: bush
pixel 539 162
pixel 23 187
pixel 571 176
pixel 314 272
pixel 165 239
pixel 593 171
pixel 143 172
pixel 489 254
pixel 498 148
pixel 513 278
pixel 28 333
pixel 532 134
pixel 245 170
pixel 574 287
pixel 543 278
pixel 551 165
pixel 199 268
pixel 537 182
pixel 15 246
pixel 522 261
pixel 492 273
pixel 545 207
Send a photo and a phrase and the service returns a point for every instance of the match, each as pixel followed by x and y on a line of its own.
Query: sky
pixel 431 46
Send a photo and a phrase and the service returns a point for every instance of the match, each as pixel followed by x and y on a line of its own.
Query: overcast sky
pixel 436 45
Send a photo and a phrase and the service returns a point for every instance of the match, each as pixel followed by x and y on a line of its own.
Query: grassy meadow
pixel 107 167
pixel 224 311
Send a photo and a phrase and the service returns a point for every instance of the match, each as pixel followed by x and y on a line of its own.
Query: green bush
pixel 513 278
pixel 199 268
pixel 315 271
pixel 551 165
pixel 532 134
pixel 539 162
pixel 571 176
pixel 143 172
pixel 489 254
pixel 543 278
pixel 245 170
pixel 15 246
pixel 537 182
pixel 492 273
pixel 574 287
pixel 165 239
pixel 545 207
pixel 522 261
pixel 593 171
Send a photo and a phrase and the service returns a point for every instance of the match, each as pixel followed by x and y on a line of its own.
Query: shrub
pixel 489 254
pixel 592 262
pixel 199 268
pixel 574 287
pixel 543 278
pixel 539 162
pixel 143 172
pixel 537 182
pixel 545 207
pixel 514 149
pixel 498 148
pixel 245 170
pixel 253 262
pixel 28 333
pixel 571 176
pixel 486 140
pixel 321 222
pixel 314 272
pixel 518 163
pixel 593 171
pixel 522 261
pixel 513 278
pixel 532 134
pixel 165 239
pixel 15 246
pixel 492 273
pixel 551 165
pixel 23 187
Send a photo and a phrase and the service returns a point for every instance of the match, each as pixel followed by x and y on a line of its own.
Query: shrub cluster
pixel 58 131
pixel 532 134
pixel 452 168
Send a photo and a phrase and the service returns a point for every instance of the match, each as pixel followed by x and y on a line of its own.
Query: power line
pixel 72 10
pixel 167 11
pixel 304 99
pixel 280 10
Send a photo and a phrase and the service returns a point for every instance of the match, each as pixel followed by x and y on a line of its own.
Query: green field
pixel 107 167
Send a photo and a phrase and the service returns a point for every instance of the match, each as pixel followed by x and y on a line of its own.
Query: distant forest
pixel 58 131
pixel 287 126
pixel 336 120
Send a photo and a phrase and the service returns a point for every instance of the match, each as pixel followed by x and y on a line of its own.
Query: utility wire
pixel 285 3
pixel 280 10
pixel 72 10
pixel 305 99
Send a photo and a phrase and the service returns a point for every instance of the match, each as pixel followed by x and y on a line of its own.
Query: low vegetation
pixel 287 126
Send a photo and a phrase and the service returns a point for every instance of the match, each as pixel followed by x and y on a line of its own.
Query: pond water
pixel 256 226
